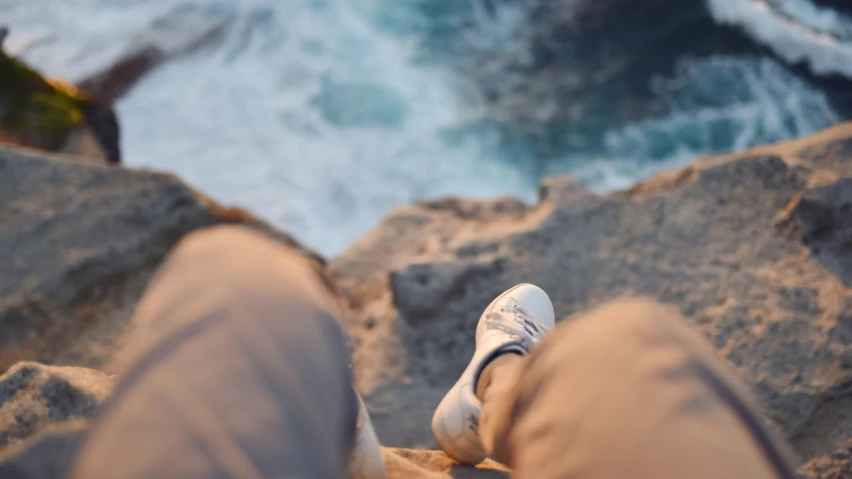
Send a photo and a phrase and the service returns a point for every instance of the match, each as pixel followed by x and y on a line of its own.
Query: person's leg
pixel 502 370
pixel 626 390
pixel 237 368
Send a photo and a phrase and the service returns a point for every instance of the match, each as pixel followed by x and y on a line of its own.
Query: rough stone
pixel 80 243
pixel 753 248
pixel 58 401
pixel 837 465
pixel 34 396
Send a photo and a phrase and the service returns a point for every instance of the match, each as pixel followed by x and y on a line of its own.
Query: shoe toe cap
pixel 536 301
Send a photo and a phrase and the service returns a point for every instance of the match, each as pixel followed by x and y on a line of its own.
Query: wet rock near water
pixel 837 465
pixel 79 119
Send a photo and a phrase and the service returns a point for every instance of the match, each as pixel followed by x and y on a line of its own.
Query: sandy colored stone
pixel 34 396
pixel 754 249
pixel 837 465
pixel 426 464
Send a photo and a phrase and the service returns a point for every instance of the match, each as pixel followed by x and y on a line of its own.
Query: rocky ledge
pixel 755 249
pixel 80 243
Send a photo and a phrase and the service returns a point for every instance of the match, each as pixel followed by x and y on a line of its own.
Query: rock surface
pixel 43 413
pixel 837 465
pixel 39 112
pixel 79 244
pixel 33 396
pixel 753 248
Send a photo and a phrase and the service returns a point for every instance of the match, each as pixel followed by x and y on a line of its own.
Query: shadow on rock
pixel 824 217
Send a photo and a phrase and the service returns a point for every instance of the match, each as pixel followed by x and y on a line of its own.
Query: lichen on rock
pixel 52 114
pixel 35 111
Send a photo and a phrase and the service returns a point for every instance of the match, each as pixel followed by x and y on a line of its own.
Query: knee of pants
pixel 628 317
pixel 228 267
pixel 220 243
pixel 575 348
pixel 633 314
pixel 238 251
pixel 621 332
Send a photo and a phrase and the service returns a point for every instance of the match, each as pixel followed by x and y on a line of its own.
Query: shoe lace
pixel 518 322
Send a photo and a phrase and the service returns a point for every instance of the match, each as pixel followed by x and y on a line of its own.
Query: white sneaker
pixel 514 322
pixel 366 461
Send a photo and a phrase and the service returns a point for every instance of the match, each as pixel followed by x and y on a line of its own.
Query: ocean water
pixel 321 115
pixel 795 30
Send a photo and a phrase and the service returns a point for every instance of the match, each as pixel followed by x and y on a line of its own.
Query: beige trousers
pixel 627 391
pixel 238 368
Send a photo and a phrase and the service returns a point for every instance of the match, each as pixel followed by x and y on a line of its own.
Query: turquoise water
pixel 322 115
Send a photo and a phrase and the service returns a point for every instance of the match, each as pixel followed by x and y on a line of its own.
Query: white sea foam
pixel 241 123
pixel 755 102
pixel 796 30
